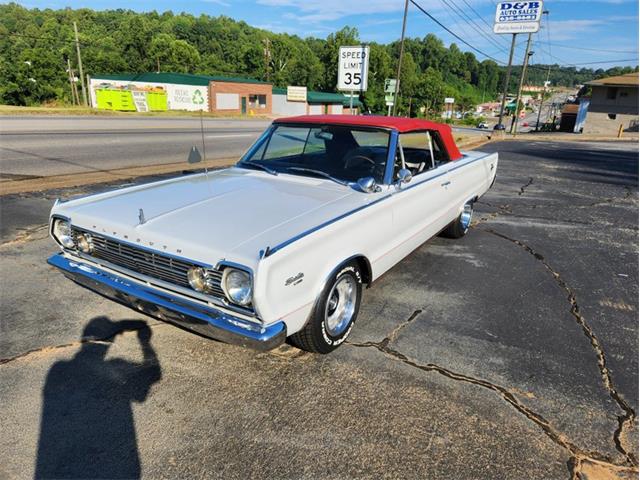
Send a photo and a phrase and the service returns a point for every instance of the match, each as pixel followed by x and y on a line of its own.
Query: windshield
pixel 342 153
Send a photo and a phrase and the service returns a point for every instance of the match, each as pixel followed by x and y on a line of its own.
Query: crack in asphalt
pixel 525 186
pixel 578 455
pixel 629 415
pixel 77 343
pixel 505 394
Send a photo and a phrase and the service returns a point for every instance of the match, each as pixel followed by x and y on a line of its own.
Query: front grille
pixel 146 262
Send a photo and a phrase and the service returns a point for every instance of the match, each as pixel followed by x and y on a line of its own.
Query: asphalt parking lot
pixel 509 354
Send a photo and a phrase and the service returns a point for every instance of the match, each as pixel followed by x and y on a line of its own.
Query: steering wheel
pixel 362 159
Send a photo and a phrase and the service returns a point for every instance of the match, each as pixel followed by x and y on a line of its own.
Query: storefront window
pixel 257 101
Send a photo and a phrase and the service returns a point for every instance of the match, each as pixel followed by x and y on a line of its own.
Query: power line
pixel 468 20
pixel 592 49
pixel 482 19
pixel 622 60
pixel 454 34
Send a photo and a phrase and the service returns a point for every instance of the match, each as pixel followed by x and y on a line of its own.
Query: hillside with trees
pixel 35 45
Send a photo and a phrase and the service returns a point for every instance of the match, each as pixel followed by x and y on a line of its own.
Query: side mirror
pixel 404 176
pixel 367 184
pixel 194 155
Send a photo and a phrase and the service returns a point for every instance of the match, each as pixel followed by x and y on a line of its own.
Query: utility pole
pixel 525 62
pixel 80 71
pixel 72 84
pixel 544 89
pixel 404 27
pixel 267 58
pixel 500 126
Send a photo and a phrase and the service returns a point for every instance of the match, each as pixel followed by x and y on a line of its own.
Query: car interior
pixel 417 155
pixel 348 153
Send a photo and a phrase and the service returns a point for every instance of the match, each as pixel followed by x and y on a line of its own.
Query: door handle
pixel 445 184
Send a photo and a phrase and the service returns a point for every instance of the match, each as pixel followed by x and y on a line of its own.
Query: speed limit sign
pixel 353 68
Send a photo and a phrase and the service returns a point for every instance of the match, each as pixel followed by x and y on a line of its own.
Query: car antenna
pixel 204 148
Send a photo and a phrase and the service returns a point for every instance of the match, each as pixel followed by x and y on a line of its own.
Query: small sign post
pixel 390 85
pixel 449 101
pixel 353 70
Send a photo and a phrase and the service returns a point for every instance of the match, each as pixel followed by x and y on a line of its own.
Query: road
pixel 511 353
pixel 33 147
pixel 46 146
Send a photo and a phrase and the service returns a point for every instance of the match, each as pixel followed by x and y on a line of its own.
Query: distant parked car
pixel 483 125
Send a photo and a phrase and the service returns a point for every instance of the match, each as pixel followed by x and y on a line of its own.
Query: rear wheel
pixel 334 314
pixel 460 226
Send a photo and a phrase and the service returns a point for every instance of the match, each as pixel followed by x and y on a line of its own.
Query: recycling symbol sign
pixel 197 98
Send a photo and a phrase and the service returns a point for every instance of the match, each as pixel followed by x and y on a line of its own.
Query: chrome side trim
pixel 280 246
pixel 205 320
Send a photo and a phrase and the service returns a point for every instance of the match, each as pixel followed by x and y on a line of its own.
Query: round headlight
pixel 85 243
pixel 197 279
pixel 62 232
pixel 237 286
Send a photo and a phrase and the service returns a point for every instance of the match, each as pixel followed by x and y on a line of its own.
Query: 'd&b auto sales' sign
pixel 518 17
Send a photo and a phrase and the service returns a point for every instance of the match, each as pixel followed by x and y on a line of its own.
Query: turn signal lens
pixel 197 279
pixel 85 243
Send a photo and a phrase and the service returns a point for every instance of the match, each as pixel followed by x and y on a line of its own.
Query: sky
pixel 576 32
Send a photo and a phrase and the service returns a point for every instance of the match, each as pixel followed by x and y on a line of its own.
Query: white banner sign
pixel 518 17
pixel 140 99
pixel 353 68
pixel 187 97
pixel 296 94
pixel 449 100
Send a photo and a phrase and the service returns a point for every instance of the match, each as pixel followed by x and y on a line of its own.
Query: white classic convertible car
pixel 281 244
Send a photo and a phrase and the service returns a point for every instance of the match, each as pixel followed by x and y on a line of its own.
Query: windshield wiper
pixel 259 165
pixel 318 172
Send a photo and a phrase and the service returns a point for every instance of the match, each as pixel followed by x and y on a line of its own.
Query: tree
pixel 123 41
pixel 174 55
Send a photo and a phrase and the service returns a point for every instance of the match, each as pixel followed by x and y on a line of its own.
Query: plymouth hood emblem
pixel 141 218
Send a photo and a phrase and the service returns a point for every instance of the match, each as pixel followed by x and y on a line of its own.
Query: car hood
pixel 209 217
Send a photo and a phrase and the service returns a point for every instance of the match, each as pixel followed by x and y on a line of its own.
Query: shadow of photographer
pixel 87 428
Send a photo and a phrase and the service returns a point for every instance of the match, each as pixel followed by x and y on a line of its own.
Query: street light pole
pixel 525 62
pixel 499 125
pixel 404 27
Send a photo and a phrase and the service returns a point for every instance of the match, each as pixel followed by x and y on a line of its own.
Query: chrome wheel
pixel 465 216
pixel 341 305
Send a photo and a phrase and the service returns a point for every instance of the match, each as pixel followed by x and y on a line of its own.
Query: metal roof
pixel 627 80
pixel 174 78
pixel 323 97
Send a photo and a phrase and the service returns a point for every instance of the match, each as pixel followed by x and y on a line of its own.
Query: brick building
pixel 182 91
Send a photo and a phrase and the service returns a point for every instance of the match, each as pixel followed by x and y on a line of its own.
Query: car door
pixel 421 208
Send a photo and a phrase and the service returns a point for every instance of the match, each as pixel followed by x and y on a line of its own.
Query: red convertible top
pixel 401 124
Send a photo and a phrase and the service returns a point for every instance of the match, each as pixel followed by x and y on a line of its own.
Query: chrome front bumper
pixel 207 321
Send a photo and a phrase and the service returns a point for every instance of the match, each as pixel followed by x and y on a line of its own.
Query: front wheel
pixel 460 226
pixel 334 314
